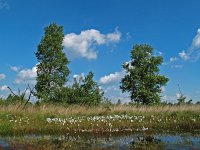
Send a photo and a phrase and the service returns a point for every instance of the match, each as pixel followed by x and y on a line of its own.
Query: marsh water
pixel 122 141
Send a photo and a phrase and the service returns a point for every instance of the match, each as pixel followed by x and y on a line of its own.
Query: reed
pixel 55 119
pixel 99 110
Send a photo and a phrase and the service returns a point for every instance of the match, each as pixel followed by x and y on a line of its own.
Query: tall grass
pixel 53 119
pixel 98 110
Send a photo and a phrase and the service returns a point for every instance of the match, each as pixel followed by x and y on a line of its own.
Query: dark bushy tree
pixel 142 78
pixel 15 99
pixel 84 91
pixel 2 101
pixel 92 94
pixel 52 68
pixel 119 102
pixel 181 99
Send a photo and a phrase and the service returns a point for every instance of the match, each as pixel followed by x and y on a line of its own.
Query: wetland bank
pixel 82 127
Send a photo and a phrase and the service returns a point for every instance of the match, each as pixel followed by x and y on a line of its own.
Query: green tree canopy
pixel 92 94
pixel 84 91
pixel 142 79
pixel 52 68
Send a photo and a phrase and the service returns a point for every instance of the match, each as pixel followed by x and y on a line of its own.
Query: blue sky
pixel 99 36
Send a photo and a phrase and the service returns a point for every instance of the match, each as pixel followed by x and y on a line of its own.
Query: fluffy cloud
pixel 110 85
pixel 193 52
pixel 184 55
pixel 2 76
pixel 178 95
pixel 113 37
pixel 173 59
pixel 196 41
pixel 111 78
pixel 163 89
pixel 83 44
pixel 169 98
pixel 114 93
pixel 4 88
pixel 78 76
pixel 15 68
pixel 26 76
pixel 111 89
pixel 28 73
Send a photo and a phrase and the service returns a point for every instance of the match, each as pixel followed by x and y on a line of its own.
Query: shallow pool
pixel 121 141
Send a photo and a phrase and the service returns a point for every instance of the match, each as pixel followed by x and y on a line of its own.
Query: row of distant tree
pixel 142 79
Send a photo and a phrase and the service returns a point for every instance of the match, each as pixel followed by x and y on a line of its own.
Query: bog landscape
pixel 61 110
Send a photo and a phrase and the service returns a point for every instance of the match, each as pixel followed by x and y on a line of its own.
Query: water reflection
pixel 105 141
pixel 3 144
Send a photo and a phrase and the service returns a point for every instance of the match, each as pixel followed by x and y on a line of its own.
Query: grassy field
pixel 51 119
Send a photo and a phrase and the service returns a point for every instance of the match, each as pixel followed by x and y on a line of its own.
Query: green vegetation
pixel 51 69
pixel 52 74
pixel 57 119
pixel 84 91
pixel 142 77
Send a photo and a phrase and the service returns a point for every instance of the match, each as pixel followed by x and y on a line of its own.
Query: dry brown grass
pixel 100 110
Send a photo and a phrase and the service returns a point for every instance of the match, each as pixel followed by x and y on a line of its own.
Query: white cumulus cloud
pixel 184 55
pixel 178 95
pixel 83 44
pixel 114 93
pixel 163 89
pixel 2 76
pixel 194 49
pixel 196 41
pixel 112 78
pixel 78 76
pixel 113 37
pixel 193 52
pixel 15 68
pixel 26 76
pixel 173 59
pixel 169 98
pixel 4 88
